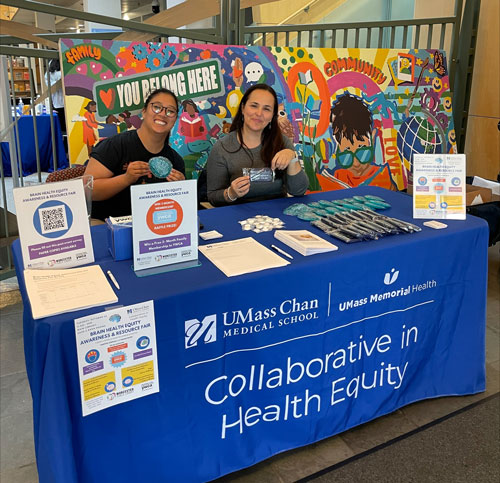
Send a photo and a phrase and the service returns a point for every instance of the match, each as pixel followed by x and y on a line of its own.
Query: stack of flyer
pixel 303 241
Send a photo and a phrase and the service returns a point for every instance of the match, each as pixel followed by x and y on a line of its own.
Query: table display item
pixel 355 226
pixel 260 223
pixel 322 208
pixel 160 166
pixel 304 242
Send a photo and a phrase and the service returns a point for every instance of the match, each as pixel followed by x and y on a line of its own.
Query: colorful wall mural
pixel 356 116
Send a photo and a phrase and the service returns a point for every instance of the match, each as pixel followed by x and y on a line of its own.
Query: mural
pixel 356 116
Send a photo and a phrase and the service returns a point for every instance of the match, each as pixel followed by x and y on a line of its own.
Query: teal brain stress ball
pixel 160 166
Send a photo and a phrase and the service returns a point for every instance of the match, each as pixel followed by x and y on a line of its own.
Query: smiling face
pixel 258 110
pixel 159 123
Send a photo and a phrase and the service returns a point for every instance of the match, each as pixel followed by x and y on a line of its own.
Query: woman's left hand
pixel 282 159
pixel 175 176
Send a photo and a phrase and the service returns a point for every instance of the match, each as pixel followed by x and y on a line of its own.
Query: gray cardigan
pixel 225 164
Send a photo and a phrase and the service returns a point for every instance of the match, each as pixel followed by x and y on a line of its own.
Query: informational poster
pixel 165 228
pixel 439 186
pixel 117 359
pixel 53 225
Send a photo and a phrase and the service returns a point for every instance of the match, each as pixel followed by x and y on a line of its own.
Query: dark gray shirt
pixel 225 164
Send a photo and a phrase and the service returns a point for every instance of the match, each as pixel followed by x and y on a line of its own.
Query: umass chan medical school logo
pixel 203 332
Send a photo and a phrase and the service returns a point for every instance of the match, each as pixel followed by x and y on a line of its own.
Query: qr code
pixel 53 219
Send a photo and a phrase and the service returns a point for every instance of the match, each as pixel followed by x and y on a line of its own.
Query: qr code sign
pixel 53 219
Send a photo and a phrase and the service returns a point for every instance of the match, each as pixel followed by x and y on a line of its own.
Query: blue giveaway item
pixel 160 166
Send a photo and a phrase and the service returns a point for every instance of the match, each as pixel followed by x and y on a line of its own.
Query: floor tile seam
pixel 397 439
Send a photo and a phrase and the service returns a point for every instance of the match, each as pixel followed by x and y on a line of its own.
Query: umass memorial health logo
pixel 203 332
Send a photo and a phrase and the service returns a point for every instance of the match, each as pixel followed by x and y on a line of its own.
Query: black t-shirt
pixel 115 153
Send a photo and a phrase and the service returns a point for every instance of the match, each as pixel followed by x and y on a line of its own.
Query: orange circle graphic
pixel 164 216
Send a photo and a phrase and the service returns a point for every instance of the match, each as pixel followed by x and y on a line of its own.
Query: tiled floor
pixel 17 457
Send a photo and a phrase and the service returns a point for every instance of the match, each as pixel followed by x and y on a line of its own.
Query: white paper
pixel 241 256
pixel 117 358
pixel 53 292
pixel 439 189
pixel 53 223
pixel 165 228
pixel 486 183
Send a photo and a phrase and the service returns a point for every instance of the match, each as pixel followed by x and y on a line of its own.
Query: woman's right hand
pixel 137 169
pixel 240 186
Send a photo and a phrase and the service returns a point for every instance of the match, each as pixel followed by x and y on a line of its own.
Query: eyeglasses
pixel 157 108
pixel 364 154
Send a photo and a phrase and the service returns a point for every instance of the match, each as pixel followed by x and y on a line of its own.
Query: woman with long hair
pixel 254 141
pixel 122 160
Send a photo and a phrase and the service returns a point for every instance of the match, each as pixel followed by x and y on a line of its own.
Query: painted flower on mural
pixel 127 61
pixel 305 78
pixel 140 51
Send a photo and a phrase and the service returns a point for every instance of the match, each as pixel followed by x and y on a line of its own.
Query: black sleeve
pixel 109 153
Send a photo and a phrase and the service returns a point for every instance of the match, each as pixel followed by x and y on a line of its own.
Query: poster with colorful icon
pixel 53 224
pixel 165 228
pixel 117 359
pixel 439 186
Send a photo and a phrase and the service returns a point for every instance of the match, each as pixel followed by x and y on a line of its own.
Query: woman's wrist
pixel 228 194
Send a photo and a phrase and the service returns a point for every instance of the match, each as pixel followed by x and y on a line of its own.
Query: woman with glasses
pixel 122 160
pixel 352 126
pixel 254 141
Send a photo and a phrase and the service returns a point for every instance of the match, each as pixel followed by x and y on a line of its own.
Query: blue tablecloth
pixel 28 149
pixel 282 358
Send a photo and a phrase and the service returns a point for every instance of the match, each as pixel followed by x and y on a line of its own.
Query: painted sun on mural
pixel 355 116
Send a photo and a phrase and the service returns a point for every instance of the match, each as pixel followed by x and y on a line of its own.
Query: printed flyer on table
pixel 117 359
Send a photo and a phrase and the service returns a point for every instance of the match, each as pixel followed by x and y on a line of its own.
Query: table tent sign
pixel 439 186
pixel 117 359
pixel 165 227
pixel 54 225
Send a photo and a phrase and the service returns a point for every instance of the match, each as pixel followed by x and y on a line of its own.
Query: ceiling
pixel 133 8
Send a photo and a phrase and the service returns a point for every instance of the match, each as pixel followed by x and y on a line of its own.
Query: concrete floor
pixel 17 456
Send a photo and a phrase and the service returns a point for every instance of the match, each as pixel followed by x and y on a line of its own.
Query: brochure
pixel 305 242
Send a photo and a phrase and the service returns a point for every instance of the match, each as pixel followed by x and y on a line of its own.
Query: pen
pixel 113 279
pixel 279 250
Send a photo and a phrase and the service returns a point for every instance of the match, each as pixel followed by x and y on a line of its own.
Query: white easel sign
pixel 53 225
pixel 165 227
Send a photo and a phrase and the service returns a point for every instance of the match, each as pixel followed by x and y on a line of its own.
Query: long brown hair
pixel 272 139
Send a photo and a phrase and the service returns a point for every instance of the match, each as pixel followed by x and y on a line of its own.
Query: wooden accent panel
pixel 482 147
pixel 26 32
pixel 183 14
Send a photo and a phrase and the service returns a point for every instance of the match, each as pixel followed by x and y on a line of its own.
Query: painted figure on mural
pixel 90 136
pixel 353 129
pixel 191 125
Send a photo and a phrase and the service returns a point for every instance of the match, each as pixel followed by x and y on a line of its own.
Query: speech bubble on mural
pixel 253 71
pixel 196 80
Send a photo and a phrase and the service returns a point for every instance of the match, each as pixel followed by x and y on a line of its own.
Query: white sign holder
pixel 165 227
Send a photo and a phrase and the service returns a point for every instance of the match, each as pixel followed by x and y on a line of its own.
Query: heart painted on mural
pixel 107 75
pixel 82 69
pixel 95 67
pixel 121 61
pixel 108 97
